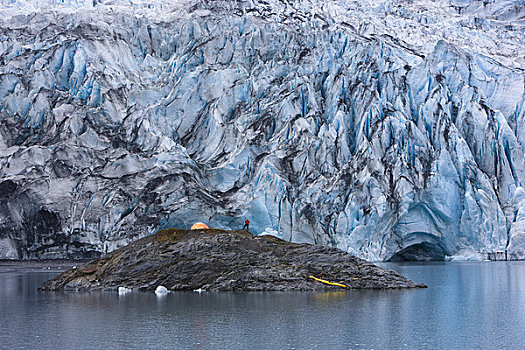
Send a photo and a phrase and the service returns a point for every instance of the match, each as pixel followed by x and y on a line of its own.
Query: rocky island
pixel 222 260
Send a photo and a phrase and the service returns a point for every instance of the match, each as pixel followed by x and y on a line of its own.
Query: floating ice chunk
pixel 124 290
pixel 161 290
pixel 465 255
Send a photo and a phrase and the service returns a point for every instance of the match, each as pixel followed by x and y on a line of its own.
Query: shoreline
pixel 7 265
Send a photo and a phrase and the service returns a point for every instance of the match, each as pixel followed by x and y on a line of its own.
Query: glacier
pixel 393 130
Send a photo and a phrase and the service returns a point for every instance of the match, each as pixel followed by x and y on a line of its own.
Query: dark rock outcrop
pixel 219 260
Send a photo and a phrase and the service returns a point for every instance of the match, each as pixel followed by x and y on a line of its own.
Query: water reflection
pixel 470 305
pixel 327 297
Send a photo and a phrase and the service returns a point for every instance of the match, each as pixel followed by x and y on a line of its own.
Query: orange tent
pixel 199 226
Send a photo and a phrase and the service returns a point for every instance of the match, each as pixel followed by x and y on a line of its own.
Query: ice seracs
pixel 393 130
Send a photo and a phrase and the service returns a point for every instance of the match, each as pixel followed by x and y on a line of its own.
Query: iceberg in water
pixel 161 290
pixel 124 290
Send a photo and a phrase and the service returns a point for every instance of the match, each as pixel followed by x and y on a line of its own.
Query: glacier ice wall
pixel 392 130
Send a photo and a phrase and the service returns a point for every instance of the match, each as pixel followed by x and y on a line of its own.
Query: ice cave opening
pixel 420 252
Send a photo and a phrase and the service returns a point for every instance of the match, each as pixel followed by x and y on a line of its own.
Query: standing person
pixel 246 224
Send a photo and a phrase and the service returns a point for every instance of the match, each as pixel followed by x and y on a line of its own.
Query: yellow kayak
pixel 328 282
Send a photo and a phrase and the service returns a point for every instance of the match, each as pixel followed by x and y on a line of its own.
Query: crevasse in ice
pixel 390 129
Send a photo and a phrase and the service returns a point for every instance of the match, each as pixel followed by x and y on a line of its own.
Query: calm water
pixel 467 306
